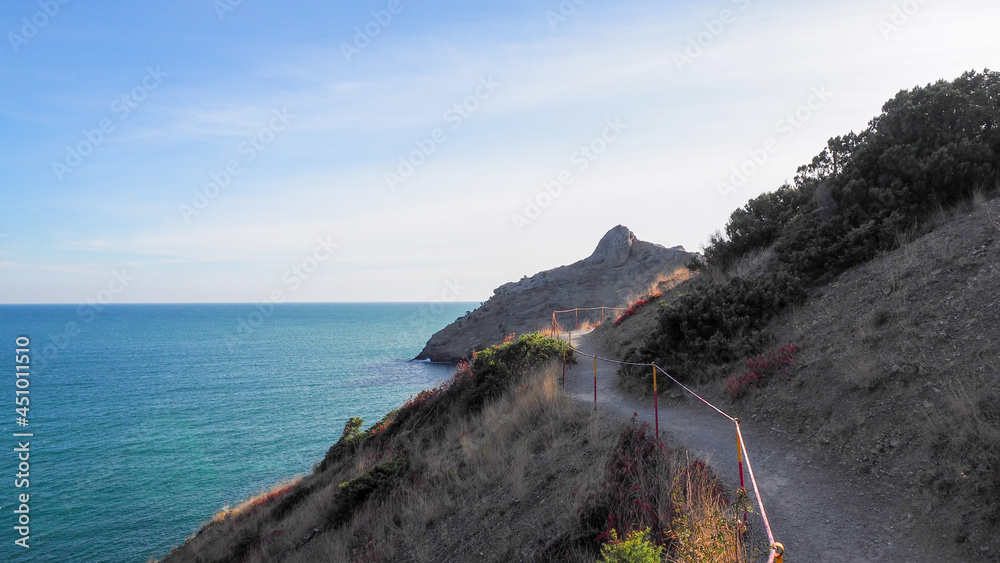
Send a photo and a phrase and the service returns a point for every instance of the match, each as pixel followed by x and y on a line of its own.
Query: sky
pixel 306 151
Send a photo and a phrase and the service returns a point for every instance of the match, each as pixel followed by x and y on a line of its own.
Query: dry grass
pixel 980 198
pixel 511 453
pixel 707 525
pixel 965 433
pixel 256 502
pixel 646 486
pixel 862 369
pixel 994 218
pixel 495 486
pixel 516 446
pixel 664 283
pixel 976 402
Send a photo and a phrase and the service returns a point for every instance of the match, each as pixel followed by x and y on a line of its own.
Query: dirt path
pixel 814 511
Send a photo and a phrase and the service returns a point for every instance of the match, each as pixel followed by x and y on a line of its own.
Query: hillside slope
pixel 814 508
pixel 619 267
pixel 896 385
pixel 898 381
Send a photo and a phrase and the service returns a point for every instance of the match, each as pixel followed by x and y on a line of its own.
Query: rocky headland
pixel 620 266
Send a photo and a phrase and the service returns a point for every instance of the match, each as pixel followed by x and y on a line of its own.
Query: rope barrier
pixel 590 309
pixel 699 397
pixel 582 353
pixel 576 313
pixel 776 548
pixel 760 503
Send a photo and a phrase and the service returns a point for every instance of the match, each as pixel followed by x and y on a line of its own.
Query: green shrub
pixel 374 484
pixel 637 547
pixel 496 368
pixel 352 429
pixel 756 225
pixel 349 440
pixel 718 323
pixel 930 147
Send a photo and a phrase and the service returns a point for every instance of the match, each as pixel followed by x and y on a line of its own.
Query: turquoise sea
pixel 148 419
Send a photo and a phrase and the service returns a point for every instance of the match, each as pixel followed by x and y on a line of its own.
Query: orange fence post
pixel 577 313
pixel 739 458
pixel 656 405
pixel 595 382
pixel 602 314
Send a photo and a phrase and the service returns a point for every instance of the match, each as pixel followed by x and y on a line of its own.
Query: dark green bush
pixel 930 148
pixel 493 370
pixel 718 323
pixel 352 428
pixel 756 225
pixel 348 441
pixel 374 484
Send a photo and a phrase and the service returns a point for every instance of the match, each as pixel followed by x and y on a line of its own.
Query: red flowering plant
pixel 636 306
pixel 759 369
pixel 635 494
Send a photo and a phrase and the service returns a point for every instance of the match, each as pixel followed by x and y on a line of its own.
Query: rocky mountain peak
pixel 614 248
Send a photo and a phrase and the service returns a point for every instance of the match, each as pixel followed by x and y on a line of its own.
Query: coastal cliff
pixel 619 267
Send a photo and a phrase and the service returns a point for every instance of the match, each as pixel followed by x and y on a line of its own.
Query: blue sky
pixel 302 117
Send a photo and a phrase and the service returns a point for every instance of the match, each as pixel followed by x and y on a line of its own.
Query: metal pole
pixel 739 454
pixel 656 405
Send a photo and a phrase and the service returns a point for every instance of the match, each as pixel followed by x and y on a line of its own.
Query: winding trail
pixel 814 511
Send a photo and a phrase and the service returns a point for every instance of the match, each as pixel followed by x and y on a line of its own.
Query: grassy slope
pixel 529 476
